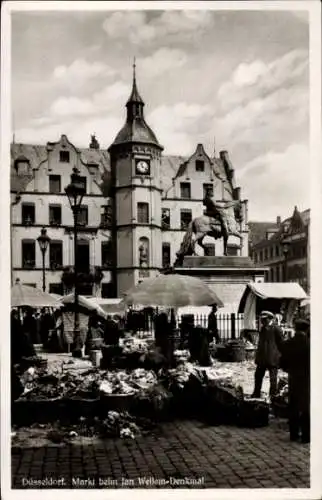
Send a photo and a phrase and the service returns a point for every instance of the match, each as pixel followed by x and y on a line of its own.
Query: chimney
pixel 278 220
pixel 223 155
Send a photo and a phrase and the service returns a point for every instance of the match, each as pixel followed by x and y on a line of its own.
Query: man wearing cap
pixel 268 353
pixel 295 360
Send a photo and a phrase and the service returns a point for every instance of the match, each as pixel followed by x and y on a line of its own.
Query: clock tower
pixel 135 170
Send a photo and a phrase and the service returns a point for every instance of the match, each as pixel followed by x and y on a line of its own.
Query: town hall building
pixel 138 205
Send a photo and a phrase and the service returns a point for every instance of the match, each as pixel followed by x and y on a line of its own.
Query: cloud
pixel 78 131
pixel 161 61
pixel 180 126
pixel 109 98
pixel 80 71
pixel 283 177
pixel 258 78
pixel 137 27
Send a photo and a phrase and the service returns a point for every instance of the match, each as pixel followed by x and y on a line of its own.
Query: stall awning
pixel 291 291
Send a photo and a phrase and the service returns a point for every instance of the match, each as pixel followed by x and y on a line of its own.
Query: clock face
pixel 143 167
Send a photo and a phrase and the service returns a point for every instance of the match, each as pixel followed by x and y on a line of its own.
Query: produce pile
pixel 131 345
pixel 39 384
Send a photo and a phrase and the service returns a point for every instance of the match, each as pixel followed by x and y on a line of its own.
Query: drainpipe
pixel 12 204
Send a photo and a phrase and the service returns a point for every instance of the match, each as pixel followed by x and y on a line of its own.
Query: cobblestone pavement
pixel 216 457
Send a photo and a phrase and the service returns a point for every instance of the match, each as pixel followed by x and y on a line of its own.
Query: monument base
pixel 226 275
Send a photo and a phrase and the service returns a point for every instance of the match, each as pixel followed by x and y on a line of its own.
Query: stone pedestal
pixel 227 276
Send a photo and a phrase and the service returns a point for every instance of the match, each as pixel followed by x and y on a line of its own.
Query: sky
pixel 231 80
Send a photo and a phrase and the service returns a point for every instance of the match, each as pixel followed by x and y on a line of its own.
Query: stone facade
pixel 137 206
pixel 295 264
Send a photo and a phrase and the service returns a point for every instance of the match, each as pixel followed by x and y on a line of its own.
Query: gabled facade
pixel 294 265
pixel 136 210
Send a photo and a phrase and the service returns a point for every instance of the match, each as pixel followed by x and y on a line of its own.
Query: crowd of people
pixel 272 352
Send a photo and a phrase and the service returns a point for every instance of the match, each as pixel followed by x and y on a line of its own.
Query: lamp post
pixel 43 241
pixel 75 192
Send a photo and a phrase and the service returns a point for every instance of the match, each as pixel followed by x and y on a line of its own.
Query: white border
pixel 314 9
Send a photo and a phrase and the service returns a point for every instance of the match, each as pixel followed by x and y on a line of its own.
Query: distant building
pixel 137 207
pixel 267 249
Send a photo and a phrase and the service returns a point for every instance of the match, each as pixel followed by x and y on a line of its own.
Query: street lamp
pixel 75 192
pixel 43 241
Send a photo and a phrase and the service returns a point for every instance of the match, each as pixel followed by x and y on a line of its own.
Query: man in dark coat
pixel 268 353
pixel 213 325
pixel 295 360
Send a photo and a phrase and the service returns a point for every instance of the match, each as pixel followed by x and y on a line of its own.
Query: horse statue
pixel 219 221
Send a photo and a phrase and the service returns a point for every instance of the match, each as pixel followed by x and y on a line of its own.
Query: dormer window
pixel 64 156
pixel 200 166
pixel 22 165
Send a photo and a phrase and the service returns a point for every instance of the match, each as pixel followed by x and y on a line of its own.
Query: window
pixel 165 221
pixel 210 249
pixel 28 254
pixel 54 184
pixel 185 219
pixel 200 165
pixel 107 290
pixel 277 273
pixel 56 288
pixel 55 254
pixel 266 254
pixel 82 180
pixel 261 256
pixel 166 255
pixel 28 213
pixel 83 216
pixel 33 285
pixel 143 213
pixel 255 257
pixel 64 156
pixel 277 251
pixel 272 252
pixel 185 190
pixel 55 215
pixel 107 254
pixel 106 215
pixel 208 190
pixel 232 250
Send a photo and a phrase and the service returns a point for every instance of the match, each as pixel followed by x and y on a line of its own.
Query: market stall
pixel 279 298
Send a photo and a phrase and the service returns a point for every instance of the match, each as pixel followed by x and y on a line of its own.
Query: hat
pixel 266 314
pixel 302 324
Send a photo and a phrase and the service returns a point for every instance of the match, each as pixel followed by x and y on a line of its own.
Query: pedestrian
pixel 20 342
pixel 94 331
pixel 295 360
pixel 213 325
pixel 30 326
pixel 268 353
pixel 47 324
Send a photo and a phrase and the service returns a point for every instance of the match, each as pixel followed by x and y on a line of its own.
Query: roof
pixel 136 131
pixel 258 230
pixel 272 291
pixel 297 222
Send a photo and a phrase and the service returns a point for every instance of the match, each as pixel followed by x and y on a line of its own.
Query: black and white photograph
pixel 158 254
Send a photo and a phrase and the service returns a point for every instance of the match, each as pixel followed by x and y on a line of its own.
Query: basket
pixel 253 414
pixel 250 353
pixel 25 412
pixel 280 410
pixel 77 406
pixel 115 402
pixel 237 353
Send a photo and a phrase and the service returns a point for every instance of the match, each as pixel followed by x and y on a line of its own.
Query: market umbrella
pixel 24 295
pixel 172 290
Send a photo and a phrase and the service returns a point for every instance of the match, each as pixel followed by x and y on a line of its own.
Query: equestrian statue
pixel 219 221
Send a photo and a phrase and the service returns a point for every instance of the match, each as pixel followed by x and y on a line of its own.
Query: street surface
pixel 177 454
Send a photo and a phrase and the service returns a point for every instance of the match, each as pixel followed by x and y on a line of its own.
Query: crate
pixel 77 406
